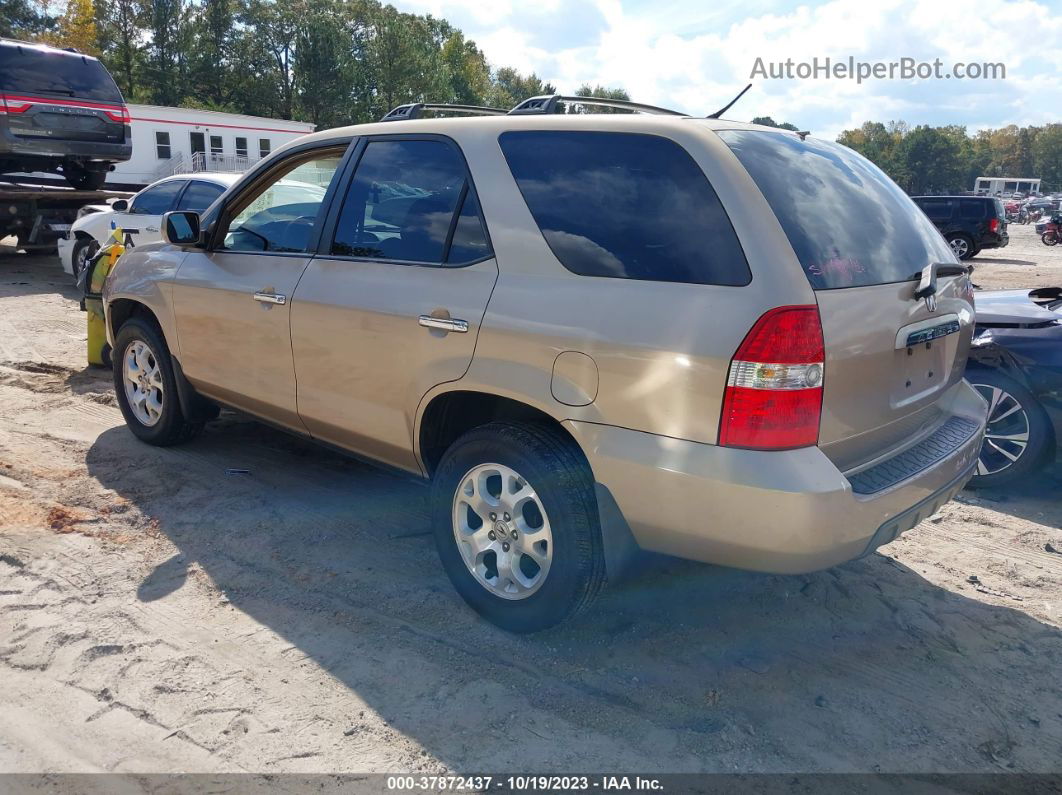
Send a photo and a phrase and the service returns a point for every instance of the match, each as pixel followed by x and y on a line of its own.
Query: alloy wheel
pixel 959 246
pixel 1006 432
pixel 502 531
pixel 143 383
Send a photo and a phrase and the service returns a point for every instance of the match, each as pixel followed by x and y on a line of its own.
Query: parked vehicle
pixel 592 332
pixel 1016 364
pixel 1048 229
pixel 141 216
pixel 60 111
pixel 969 223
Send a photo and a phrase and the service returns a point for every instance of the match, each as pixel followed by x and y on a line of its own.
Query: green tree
pixel 601 92
pixel 767 121
pixel 1047 156
pixel 212 33
pixel 120 27
pixel 509 87
pixel 20 19
pixel 467 70
pixel 166 67
pixel 930 160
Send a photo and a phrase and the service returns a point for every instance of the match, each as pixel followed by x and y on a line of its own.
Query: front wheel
pixel 1049 238
pixel 146 385
pixel 516 525
pixel 1018 434
pixel 82 254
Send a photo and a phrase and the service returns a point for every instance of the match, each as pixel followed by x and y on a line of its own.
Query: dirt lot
pixel 160 614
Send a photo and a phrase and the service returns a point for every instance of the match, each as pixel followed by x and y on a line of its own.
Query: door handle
pixel 270 298
pixel 151 229
pixel 443 323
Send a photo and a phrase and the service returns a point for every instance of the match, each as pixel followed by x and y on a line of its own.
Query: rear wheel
pixel 1049 238
pixel 961 245
pixel 146 386
pixel 1017 435
pixel 516 525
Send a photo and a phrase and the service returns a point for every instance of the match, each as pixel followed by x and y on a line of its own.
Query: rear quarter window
pixel 848 223
pixel 973 210
pixel 626 206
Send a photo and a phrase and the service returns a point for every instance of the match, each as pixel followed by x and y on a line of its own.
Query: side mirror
pixel 119 205
pixel 180 228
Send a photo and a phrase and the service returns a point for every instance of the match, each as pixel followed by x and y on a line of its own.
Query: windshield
pixel 28 70
pixel 849 224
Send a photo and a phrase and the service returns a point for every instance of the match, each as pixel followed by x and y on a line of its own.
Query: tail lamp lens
pixel 773 398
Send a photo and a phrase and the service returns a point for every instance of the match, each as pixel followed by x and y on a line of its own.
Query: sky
pixel 695 55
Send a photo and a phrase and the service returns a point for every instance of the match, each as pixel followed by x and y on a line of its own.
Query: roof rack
pixel 547 103
pixel 415 110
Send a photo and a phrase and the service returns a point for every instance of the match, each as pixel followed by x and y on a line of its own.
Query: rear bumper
pixel 17 147
pixel 786 512
pixel 995 241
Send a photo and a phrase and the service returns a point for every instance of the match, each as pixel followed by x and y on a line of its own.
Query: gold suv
pixel 594 333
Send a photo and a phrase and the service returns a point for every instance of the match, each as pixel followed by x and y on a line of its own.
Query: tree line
pixel 329 62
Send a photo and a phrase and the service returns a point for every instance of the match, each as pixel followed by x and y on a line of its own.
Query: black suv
pixel 968 223
pixel 60 111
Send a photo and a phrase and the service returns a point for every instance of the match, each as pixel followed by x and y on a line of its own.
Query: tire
pixel 168 426
pixel 962 245
pixel 83 252
pixel 993 466
pixel 554 513
pixel 1049 238
pixel 82 178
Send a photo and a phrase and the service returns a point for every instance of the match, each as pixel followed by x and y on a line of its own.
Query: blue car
pixel 1016 364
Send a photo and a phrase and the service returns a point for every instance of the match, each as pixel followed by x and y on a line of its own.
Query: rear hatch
pixel 891 358
pixel 56 95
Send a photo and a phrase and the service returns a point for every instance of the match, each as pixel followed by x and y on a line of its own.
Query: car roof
pixel 225 178
pixel 631 122
pixel 45 48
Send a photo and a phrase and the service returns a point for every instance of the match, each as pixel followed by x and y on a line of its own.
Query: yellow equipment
pixel 99 352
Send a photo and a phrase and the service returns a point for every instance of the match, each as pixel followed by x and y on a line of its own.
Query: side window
pixel 162 145
pixel 972 210
pixel 241 147
pixel 263 147
pixel 936 209
pixel 468 242
pixel 158 199
pixel 199 196
pixel 280 215
pixel 626 206
pixel 402 202
pixel 217 147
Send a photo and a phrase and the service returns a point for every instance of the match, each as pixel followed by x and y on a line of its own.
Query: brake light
pixel 119 115
pixel 14 106
pixel 993 224
pixel 773 398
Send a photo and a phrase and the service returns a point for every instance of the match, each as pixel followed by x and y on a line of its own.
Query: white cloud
pixel 686 54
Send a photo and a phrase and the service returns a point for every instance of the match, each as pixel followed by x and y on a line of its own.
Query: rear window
pixel 36 71
pixel 849 224
pixel 972 209
pixel 626 206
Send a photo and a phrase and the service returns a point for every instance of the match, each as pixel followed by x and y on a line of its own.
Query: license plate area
pixel 925 353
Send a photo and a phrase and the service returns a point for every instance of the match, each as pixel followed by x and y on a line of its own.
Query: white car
pixel 140 216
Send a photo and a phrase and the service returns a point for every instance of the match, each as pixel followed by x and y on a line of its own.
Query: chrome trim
pixel 443 324
pixel 271 298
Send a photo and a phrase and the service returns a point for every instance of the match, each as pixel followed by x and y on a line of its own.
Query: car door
pixel 143 219
pixel 232 299
pixel 393 302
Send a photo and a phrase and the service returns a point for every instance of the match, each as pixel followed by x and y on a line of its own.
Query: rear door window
pixel 157 199
pixel 39 72
pixel 971 210
pixel 849 224
pixel 403 205
pixel 625 205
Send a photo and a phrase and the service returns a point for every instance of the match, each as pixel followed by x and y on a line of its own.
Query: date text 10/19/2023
pixel 522 783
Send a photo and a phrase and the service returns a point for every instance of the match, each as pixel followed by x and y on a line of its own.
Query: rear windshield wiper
pixel 66 91
pixel 927 284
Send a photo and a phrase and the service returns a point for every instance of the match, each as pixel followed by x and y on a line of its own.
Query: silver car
pixel 594 333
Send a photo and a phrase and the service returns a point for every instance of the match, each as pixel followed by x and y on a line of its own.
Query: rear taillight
pixel 773 398
pixel 993 224
pixel 14 106
pixel 119 115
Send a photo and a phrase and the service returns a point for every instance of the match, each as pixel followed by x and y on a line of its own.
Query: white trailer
pixel 180 140
pixel 1006 186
